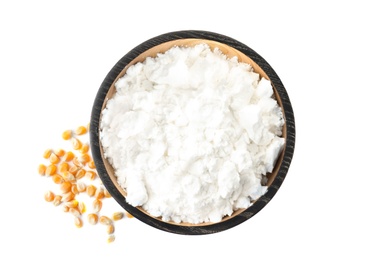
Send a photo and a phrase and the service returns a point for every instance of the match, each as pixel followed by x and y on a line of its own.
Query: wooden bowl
pixel 231 48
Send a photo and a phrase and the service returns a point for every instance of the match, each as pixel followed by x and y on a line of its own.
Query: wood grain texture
pixel 161 43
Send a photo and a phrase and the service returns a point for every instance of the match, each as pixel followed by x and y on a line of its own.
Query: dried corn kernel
pixel 81 187
pixel 68 156
pixel 63 166
pixel 73 169
pixel 96 206
pixel 68 196
pixel 56 178
pixel 72 203
pixel 75 212
pixel 54 159
pixel 68 176
pixel 76 143
pixel 85 158
pixel 111 239
pixel 81 130
pixel 59 152
pixel 57 200
pixel 110 229
pixel 100 193
pixel 47 153
pixel 82 207
pixel 105 220
pixel 117 216
pixel 78 222
pixel 91 165
pixel 92 218
pixel 65 187
pixel 77 163
pixel 91 175
pixel 129 215
pixel 49 196
pixel 74 189
pixel 107 194
pixel 80 174
pixel 91 190
pixel 84 149
pixel 66 208
pixel 50 170
pixel 42 169
pixel 67 134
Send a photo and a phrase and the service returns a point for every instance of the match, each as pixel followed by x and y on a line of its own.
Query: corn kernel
pixel 80 174
pixel 59 152
pixel 92 218
pixel 85 158
pixel 65 187
pixel 67 134
pixel 110 229
pixel 91 190
pixel 42 169
pixel 81 186
pixel 49 196
pixel 76 143
pixel 111 239
pixel 57 200
pixel 81 130
pixel 84 149
pixel 105 220
pixel 63 166
pixel 72 204
pixel 50 170
pixel 68 196
pixel 56 178
pixel 78 222
pixel 82 207
pixel 96 205
pixel 47 153
pixel 129 215
pixel 68 156
pixel 117 216
pixel 91 175
pixel 91 165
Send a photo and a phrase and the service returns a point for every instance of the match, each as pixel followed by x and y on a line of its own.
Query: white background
pixel 55 54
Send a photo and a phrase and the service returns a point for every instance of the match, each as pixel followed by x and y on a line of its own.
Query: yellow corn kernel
pixel 63 166
pixel 74 189
pixel 92 218
pixel 82 207
pixel 81 186
pixel 54 159
pixel 76 143
pixel 105 220
pixel 117 216
pixel 49 196
pixel 84 149
pixel 77 163
pixel 50 170
pixel 96 206
pixel 91 165
pixel 80 174
pixel 129 215
pixel 85 158
pixel 91 190
pixel 91 175
pixel 110 229
pixel 72 204
pixel 78 222
pixel 65 187
pixel 47 153
pixel 56 178
pixel 42 169
pixel 68 156
pixel 68 196
pixel 57 200
pixel 107 194
pixel 111 239
pixel 75 212
pixel 67 134
pixel 100 193
pixel 81 130
pixel 73 169
pixel 68 176
pixel 59 152
pixel 65 208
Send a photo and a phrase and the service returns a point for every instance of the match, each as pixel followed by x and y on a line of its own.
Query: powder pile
pixel 191 134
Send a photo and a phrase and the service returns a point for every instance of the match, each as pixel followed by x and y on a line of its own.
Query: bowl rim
pixel 286 156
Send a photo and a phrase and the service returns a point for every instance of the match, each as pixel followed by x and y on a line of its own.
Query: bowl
pixel 229 47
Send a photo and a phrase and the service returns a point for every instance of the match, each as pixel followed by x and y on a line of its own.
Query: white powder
pixel 191 134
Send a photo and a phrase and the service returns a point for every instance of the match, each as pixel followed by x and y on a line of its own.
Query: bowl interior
pixel 227 50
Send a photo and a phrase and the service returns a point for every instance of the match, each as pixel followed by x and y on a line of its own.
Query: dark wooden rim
pixel 286 156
